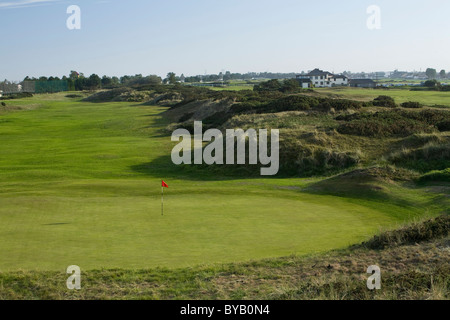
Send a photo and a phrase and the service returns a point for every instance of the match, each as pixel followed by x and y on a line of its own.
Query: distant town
pixel 317 78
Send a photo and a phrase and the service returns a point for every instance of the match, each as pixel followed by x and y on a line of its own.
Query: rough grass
pixel 432 156
pixel 412 233
pixel 436 176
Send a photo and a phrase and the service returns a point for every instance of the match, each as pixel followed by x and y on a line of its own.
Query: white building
pixel 323 79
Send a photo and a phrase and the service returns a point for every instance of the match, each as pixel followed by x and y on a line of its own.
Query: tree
pixel 74 75
pixel 115 81
pixel 80 83
pixel 70 84
pixel 431 73
pixel 431 83
pixel 227 76
pixel 106 81
pixel 271 85
pixel 171 78
pixel 94 82
pixel 443 74
pixel 290 85
pixel 124 79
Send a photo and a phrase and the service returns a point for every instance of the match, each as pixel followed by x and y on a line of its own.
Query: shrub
pixel 443 126
pixel 411 105
pixel 3 104
pixel 340 104
pixel 383 128
pixel 431 83
pixel 395 122
pixel 384 101
pixel 432 117
pixel 291 103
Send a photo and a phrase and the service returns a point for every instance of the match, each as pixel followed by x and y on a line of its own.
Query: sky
pixel 119 37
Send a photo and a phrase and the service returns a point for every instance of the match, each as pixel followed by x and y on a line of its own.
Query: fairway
pixel 80 184
pixel 400 95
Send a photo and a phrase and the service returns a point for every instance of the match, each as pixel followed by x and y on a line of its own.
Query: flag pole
pixel 162 200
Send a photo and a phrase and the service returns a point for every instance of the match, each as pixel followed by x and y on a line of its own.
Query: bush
pixel 19 95
pixel 391 123
pixel 384 101
pixel 431 83
pixel 383 127
pixel 443 126
pixel 291 103
pixel 3 104
pixel 295 103
pixel 411 105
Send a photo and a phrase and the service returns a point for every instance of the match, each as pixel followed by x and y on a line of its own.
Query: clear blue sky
pixel 120 37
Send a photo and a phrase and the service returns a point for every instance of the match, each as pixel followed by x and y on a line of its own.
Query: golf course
pixel 80 184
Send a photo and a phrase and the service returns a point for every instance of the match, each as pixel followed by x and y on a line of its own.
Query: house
pixel 363 83
pixel 305 83
pixel 322 79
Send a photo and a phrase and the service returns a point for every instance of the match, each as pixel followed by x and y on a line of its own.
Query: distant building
pixel 305 83
pixel 362 83
pixel 322 79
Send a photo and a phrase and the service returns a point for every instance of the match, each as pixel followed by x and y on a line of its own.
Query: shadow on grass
pixel 163 167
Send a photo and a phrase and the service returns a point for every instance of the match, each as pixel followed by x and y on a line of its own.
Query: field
pixel 80 184
pixel 428 98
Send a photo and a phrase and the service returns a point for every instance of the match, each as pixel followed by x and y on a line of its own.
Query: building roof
pixel 317 72
pixel 362 81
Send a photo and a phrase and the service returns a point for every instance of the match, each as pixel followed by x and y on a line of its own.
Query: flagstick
pixel 162 201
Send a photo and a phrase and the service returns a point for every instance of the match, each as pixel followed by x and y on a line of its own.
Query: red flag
pixel 164 184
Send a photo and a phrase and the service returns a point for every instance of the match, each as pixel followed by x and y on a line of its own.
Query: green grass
pixel 233 87
pixel 80 184
pixel 428 98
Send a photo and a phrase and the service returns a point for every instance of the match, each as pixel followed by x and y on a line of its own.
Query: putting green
pixel 48 232
pixel 80 184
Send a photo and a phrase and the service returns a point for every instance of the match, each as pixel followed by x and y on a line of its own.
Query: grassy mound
pixel 436 176
pixel 410 234
pixel 393 123
pixel 432 156
pixel 371 182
